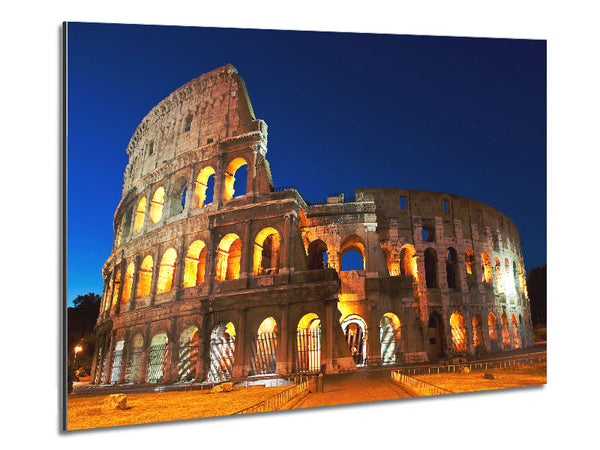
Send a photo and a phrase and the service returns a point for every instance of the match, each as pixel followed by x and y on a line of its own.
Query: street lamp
pixel 77 349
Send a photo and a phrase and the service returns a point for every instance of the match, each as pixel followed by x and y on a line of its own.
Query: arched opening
pixel 516 333
pixel 470 267
pixel 486 268
pixel 308 344
pixel 493 329
pixel 117 360
pixel 498 268
pixel 128 283
pixel 140 214
pixel 119 232
pixel 178 191
pixel 390 335
pixel 428 231
pixel 458 328
pixel 435 332
pixel 266 252
pixel 263 351
pixel 222 348
pixel 158 358
pixel 157 204
pixel 477 333
pixel 317 255
pixel 166 271
pixel 195 264
pixel 205 187
pixel 229 253
pixel 189 347
pixel 107 297
pixel 451 269
pixel 355 331
pixel 352 252
pixel 134 359
pixel 505 334
pixel 408 261
pixel 431 278
pixel 115 294
pixel 235 183
pixel 145 277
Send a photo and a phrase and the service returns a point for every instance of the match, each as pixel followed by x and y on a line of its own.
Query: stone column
pixel 124 356
pixel 239 363
pixel 211 258
pixel 122 269
pixel 283 357
pixel 179 270
pixel 219 189
pixel 155 272
pixel 246 268
pixel 171 375
pixel 134 284
pixel 144 360
pixel 470 334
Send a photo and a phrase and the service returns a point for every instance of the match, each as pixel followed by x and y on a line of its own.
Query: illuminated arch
pixel 493 328
pixel 352 243
pixel 516 333
pixel 202 182
pixel 389 335
pixel 145 277
pixel 158 358
pixel 189 347
pixel 117 360
pixel 505 333
pixel 115 294
pixel 263 352
pixel 107 298
pixel 477 332
pixel 498 269
pixel 458 328
pixel 355 330
pixel 230 173
pixel 408 261
pixel 486 268
pixel 195 264
pixel 140 214
pixel 166 271
pixel 266 252
pixel 317 255
pixel 228 257
pixel 470 267
pixel 128 283
pixel 222 348
pixel 119 232
pixel 157 204
pixel 134 359
pixel 308 343
pixel 431 277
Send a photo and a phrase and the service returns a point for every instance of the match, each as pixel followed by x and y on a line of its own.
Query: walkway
pixel 363 386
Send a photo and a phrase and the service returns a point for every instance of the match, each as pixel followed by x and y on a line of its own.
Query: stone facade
pixel 204 284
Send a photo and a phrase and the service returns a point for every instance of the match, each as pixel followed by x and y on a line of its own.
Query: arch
pixel 229 253
pixel 355 330
pixel 107 299
pixel 134 358
pixel 477 332
pixel 119 232
pixel 431 278
pixel 308 343
pixel 493 328
pixel 115 294
pixel 128 283
pixel 263 350
pixel 195 264
pixel 157 204
pixel 145 277
pixel 498 269
pixel 435 332
pixel 458 328
pixel 230 176
pixel 428 231
pixel 266 252
pixel 470 267
pixel 202 193
pixel 352 243
pixel 166 271
pixel 140 214
pixel 222 348
pixel 390 334
pixel 486 268
pixel 505 333
pixel 178 191
pixel 408 261
pixel 117 360
pixel 158 358
pixel 189 348
pixel 317 255
pixel 516 333
pixel 452 276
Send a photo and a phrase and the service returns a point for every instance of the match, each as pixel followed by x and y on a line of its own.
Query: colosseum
pixel 217 275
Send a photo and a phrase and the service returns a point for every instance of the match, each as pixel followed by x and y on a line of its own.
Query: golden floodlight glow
pixel 228 258
pixel 139 216
pixel 145 277
pixel 166 270
pixel 128 283
pixel 486 269
pixel 232 168
pixel 201 186
pixel 266 257
pixel 115 296
pixel 157 204
pixel 195 263
pixel 269 325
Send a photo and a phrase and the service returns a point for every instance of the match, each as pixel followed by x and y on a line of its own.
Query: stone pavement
pixel 362 386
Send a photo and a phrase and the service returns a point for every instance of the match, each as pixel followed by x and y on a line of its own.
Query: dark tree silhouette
pixel 81 319
pixel 536 287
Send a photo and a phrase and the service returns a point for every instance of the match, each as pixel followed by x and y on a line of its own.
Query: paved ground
pixel 354 388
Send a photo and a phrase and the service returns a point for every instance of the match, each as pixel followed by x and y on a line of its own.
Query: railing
pixel 285 188
pixel 418 386
pixel 276 401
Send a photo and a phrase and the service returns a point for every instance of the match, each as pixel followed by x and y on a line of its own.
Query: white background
pixel 563 413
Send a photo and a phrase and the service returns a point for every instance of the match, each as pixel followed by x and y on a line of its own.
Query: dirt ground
pixel 474 381
pixel 86 411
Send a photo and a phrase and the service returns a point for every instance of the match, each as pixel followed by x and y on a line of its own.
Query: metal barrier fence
pixel 276 401
pixel 420 387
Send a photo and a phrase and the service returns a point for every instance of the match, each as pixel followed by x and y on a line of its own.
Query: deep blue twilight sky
pixel 459 115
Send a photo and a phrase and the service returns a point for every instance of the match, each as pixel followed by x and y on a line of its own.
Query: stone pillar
pixel 124 356
pixel 219 189
pixel 470 334
pixel 240 363
pixel 171 375
pixel 246 268
pixel 145 355
pixel 134 285
pixel 283 357
pixel 109 360
pixel 327 337
pixel 179 269
pixel 211 258
pixel 122 269
pixel 155 271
